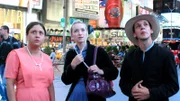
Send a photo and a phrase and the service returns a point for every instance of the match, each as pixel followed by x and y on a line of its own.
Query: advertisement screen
pixel 173 19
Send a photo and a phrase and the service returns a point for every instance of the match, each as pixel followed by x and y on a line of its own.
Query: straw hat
pixel 150 18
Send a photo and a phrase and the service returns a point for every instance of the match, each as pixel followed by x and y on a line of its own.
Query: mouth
pixel 36 40
pixel 143 32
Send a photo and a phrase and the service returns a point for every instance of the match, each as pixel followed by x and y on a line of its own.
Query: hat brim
pixel 150 18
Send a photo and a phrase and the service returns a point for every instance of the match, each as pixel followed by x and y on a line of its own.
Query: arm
pixel 10 89
pixel 68 74
pixel 109 70
pixel 11 72
pixel 125 78
pixel 170 82
pixel 51 92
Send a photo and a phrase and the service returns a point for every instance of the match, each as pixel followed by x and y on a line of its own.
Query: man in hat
pixel 148 72
pixel 8 43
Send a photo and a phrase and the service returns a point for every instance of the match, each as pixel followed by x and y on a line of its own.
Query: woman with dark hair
pixel 30 69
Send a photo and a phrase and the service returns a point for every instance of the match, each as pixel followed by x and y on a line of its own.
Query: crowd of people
pixel 148 71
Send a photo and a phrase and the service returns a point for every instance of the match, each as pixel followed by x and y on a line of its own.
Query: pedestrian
pixel 8 43
pixel 148 72
pixel 79 61
pixel 30 69
pixel 0 35
pixel 53 54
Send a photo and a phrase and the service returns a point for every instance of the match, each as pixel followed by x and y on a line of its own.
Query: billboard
pixel 122 12
pixel 10 2
pixel 54 10
pixel 84 9
pixel 37 4
pixel 173 19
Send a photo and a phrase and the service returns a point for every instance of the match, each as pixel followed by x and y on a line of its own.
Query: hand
pixel 140 92
pixel 77 60
pixel 95 69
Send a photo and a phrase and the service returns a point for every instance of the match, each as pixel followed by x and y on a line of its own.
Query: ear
pixel 152 31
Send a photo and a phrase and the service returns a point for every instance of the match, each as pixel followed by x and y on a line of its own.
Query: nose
pixel 37 35
pixel 142 26
pixel 80 33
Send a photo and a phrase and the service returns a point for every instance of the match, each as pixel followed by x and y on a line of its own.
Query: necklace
pixel 36 64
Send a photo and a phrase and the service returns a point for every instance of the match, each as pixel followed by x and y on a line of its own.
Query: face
pixel 79 33
pixel 36 35
pixel 2 31
pixel 142 30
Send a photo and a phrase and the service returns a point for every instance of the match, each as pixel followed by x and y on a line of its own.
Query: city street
pixel 61 90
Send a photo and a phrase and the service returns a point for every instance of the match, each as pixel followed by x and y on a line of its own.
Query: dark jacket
pixel 103 61
pixel 158 72
pixel 6 46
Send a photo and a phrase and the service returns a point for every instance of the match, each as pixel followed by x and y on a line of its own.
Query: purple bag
pixel 96 84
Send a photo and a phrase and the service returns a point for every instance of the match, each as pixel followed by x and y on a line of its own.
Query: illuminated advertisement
pixel 142 11
pixel 10 2
pixel 54 10
pixel 123 11
pixel 111 13
pixel 85 9
pixel 173 19
pixel 144 3
pixel 37 4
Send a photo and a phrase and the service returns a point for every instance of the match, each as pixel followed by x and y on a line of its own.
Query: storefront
pixel 15 20
pixel 52 14
pixel 14 14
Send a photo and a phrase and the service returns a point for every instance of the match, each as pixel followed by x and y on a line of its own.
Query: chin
pixel 81 41
pixel 37 45
pixel 144 38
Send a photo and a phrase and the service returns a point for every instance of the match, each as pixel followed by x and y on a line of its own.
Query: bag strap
pixel 11 43
pixel 95 55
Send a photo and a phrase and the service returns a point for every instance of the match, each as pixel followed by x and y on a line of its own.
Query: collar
pixel 150 47
pixel 77 48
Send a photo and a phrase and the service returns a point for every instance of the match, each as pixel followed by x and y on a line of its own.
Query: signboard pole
pixel 65 24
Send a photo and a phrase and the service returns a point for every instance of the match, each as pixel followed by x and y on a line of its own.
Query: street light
pixel 171 10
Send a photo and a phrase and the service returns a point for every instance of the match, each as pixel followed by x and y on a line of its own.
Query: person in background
pixel 53 54
pixel 8 43
pixel 0 35
pixel 30 69
pixel 148 73
pixel 79 61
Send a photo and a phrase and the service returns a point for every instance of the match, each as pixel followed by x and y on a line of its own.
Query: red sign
pixel 56 39
pixel 114 13
pixel 142 11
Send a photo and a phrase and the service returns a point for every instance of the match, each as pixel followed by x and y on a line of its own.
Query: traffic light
pixel 62 22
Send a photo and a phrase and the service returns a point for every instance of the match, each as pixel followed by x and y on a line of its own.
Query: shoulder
pixel 14 39
pixel 162 52
pixel 162 49
pixel 133 51
pixel 19 51
pixel 45 55
pixel 100 49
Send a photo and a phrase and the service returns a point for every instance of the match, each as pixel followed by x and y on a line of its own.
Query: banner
pixel 84 9
pixel 54 10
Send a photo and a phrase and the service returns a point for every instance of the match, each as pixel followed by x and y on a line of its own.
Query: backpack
pixel 11 43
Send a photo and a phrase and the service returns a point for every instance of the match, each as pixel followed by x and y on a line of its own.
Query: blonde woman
pixel 80 60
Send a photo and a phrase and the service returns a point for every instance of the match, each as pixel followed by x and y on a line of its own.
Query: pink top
pixel 32 82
